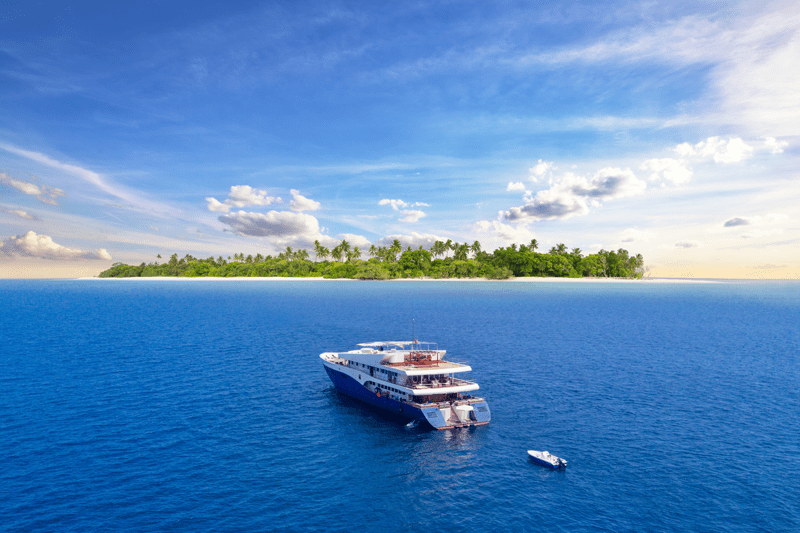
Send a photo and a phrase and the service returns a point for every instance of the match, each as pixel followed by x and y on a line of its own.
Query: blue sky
pixel 668 129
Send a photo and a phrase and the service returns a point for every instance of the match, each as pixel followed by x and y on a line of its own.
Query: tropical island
pixel 442 261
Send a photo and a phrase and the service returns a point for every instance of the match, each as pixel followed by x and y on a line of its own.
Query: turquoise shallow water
pixel 202 406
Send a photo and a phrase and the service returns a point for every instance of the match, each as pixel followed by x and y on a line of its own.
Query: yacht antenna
pixel 413 338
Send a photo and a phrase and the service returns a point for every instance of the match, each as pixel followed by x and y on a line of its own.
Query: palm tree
pixel 460 252
pixel 437 249
pixel 533 245
pixel 302 254
pixel 317 250
pixel 345 248
pixel 448 246
pixel 356 252
pixel 476 248
pixel 336 253
pixel 395 249
pixel 289 253
pixel 373 250
pixel 577 253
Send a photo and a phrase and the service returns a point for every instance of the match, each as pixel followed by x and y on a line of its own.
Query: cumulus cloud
pixel 409 215
pixel 774 146
pixel 540 170
pixel 673 170
pixel 398 204
pixel 573 195
pixel 515 186
pixel 43 193
pixel 355 240
pixel 43 247
pixel 241 196
pixel 733 150
pixel 736 222
pixel 301 203
pixel 281 224
pixel 689 244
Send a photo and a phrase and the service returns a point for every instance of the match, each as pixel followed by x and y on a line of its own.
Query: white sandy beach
pixel 450 280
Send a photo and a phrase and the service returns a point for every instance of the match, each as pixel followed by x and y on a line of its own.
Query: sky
pixel 208 128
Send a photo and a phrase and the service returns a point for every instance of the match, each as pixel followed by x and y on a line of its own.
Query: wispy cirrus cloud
pixel 17 212
pixel 132 198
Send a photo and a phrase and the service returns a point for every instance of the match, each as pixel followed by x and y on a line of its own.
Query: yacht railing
pixel 437 383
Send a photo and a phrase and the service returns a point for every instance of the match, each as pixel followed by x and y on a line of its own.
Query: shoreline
pixel 448 280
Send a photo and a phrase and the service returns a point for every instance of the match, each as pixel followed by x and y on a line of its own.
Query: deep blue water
pixel 185 405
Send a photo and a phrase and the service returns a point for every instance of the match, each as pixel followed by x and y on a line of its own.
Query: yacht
pixel 411 380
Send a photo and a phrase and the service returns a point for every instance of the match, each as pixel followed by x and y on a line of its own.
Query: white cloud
pixel 301 203
pixel 733 150
pixel 44 193
pixel 515 186
pixel 396 204
pixel 17 212
pixel 674 170
pixel 412 215
pixel 750 56
pixel 574 194
pixel 241 196
pixel 409 215
pixel 279 224
pixel 43 247
pixel 540 170
pixel 217 206
pixel 355 240
pixel 130 197
pixel 689 244
pixel 500 234
pixel 774 146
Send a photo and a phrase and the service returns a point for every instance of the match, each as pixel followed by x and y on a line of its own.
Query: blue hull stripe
pixel 541 462
pixel 351 387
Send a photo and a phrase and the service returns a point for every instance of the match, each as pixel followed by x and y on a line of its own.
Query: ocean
pixel 193 405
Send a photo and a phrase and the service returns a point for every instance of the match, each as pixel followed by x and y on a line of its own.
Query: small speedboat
pixel 547 459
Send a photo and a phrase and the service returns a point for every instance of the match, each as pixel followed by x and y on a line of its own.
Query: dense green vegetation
pixel 443 260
